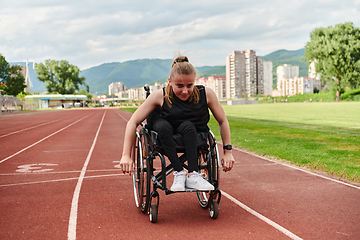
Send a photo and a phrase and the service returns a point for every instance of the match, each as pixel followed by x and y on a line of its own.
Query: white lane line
pixel 42 139
pixel 61 172
pixel 61 180
pixel 263 218
pixel 123 117
pixel 30 128
pixel 75 200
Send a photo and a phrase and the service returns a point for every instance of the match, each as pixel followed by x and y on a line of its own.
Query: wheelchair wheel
pixel 209 164
pixel 214 209
pixel 153 213
pixel 141 176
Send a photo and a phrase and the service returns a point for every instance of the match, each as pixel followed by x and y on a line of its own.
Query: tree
pixel 60 76
pixel 336 54
pixel 12 80
pixel 4 69
pixel 15 83
pixel 84 92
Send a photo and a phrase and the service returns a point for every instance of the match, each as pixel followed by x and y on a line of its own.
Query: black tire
pixel 215 167
pixel 153 212
pixel 209 164
pixel 214 209
pixel 142 171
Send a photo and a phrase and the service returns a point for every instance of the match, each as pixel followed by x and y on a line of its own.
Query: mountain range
pixel 136 73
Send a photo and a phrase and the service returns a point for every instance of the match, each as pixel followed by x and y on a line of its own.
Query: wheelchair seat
pixel 179 141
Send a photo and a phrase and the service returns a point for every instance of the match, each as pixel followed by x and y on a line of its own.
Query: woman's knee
pixel 162 126
pixel 187 127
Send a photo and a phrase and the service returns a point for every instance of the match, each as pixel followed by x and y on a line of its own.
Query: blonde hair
pixel 181 65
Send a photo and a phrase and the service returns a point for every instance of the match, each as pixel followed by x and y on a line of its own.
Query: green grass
pixel 319 136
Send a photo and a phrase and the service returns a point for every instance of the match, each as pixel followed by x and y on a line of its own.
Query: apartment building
pixel 260 75
pixel 245 75
pixel 139 94
pixel 268 78
pixel 216 83
pixel 298 85
pixel 285 72
pixel 117 87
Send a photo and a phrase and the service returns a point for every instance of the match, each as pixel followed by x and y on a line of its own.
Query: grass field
pixel 319 136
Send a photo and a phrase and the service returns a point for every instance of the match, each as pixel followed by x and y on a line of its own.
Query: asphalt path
pixel 60 179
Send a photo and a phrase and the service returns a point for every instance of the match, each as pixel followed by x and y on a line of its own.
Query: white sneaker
pixel 179 182
pixel 198 181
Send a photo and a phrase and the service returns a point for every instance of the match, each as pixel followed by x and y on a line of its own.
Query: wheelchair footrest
pixel 168 191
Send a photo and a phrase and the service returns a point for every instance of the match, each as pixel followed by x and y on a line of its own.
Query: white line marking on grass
pixel 75 200
pixel 43 139
pixel 61 180
pixel 29 128
pixel 263 218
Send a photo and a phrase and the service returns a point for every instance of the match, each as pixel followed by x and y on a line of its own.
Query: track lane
pixel 15 143
pixel 48 202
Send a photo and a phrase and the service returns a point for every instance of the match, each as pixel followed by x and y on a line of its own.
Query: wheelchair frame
pixel 145 150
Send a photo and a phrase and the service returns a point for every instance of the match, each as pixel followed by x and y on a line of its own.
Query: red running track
pixel 59 179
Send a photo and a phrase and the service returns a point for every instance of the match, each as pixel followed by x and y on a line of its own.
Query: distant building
pixel 284 72
pixel 246 75
pixel 139 94
pixel 117 87
pixel 260 75
pixel 25 72
pixel 216 83
pixel 317 83
pixel 268 78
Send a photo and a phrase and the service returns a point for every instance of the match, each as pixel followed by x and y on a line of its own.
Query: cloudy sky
pixel 89 33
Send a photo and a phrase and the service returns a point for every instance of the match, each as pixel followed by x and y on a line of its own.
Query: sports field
pixel 320 136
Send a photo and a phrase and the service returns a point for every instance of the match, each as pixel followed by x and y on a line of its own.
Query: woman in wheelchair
pixel 184 110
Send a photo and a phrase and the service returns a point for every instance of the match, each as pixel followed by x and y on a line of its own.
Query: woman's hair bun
pixel 180 59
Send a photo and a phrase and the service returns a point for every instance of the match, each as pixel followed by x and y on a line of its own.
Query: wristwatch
pixel 227 147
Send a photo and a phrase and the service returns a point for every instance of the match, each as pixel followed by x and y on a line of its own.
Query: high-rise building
pixel 245 74
pixel 268 78
pixel 284 72
pixel 260 75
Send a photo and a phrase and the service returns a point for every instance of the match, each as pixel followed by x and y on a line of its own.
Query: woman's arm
pixel 219 114
pixel 155 99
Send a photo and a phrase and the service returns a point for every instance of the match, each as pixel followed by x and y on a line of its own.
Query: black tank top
pixel 185 110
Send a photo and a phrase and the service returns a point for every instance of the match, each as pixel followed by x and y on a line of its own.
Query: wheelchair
pixel 146 181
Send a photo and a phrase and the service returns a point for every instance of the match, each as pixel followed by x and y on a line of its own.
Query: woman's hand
pixel 126 164
pixel 227 161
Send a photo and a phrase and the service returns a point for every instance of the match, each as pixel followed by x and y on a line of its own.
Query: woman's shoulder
pixel 200 87
pixel 210 94
pixel 157 97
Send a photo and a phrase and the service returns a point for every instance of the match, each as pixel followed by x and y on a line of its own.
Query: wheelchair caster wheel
pixel 153 213
pixel 214 209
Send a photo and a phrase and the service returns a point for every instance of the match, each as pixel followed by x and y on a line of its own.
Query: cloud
pixel 88 33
